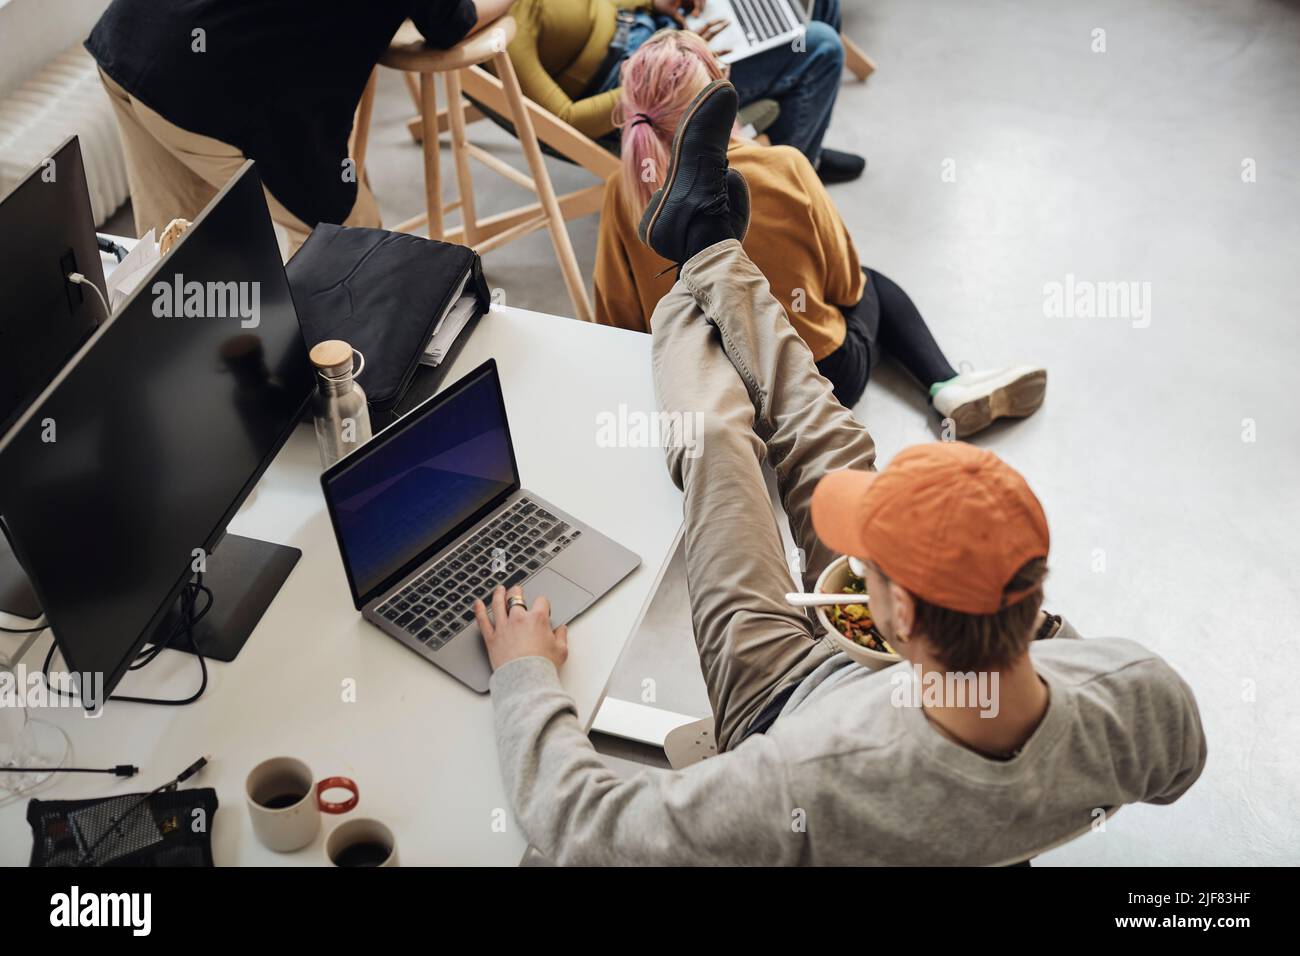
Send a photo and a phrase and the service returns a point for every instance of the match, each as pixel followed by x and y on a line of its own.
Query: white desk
pixel 419 744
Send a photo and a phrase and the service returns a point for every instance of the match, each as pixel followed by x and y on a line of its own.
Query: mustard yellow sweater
pixel 558 47
pixel 795 237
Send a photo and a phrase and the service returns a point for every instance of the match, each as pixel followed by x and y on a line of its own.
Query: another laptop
pixel 429 515
pixel 756 25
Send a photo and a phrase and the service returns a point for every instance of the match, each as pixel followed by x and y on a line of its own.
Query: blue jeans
pixel 647 24
pixel 804 82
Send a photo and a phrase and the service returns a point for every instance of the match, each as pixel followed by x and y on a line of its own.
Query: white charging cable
pixel 80 279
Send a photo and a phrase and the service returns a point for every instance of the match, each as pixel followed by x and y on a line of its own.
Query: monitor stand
pixel 245 575
pixel 16 594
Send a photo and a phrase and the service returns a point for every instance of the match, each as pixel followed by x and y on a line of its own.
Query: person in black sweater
pixel 201 85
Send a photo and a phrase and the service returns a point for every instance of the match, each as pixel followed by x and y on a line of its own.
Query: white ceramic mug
pixel 354 833
pixel 285 804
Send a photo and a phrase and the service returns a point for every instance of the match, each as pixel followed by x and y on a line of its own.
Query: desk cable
pixel 189 618
pixel 23 630
pixel 78 279
pixel 113 248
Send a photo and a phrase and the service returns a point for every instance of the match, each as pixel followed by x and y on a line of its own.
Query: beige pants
pixel 174 173
pixel 724 348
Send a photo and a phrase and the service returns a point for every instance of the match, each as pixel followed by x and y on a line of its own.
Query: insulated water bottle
pixel 339 403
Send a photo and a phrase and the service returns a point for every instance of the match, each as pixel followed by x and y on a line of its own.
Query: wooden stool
pixel 407 52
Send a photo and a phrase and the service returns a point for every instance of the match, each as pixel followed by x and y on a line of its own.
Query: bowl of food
pixel 850 626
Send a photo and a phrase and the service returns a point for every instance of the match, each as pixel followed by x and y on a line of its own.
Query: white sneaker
pixel 974 400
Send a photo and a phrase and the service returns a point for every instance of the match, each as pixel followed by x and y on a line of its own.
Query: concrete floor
pixel 1166 464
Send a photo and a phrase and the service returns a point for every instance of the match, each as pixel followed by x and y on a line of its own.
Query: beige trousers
pixel 174 173
pixel 724 348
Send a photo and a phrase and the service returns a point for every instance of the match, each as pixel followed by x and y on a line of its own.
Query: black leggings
pixel 886 320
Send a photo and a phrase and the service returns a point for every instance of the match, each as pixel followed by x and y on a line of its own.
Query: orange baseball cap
pixel 949 522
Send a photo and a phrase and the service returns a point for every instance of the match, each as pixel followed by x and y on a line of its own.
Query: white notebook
pixel 446 331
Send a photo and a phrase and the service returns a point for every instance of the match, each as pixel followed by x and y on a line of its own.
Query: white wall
pixel 34 31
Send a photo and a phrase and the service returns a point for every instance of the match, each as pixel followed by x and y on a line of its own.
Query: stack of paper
pixel 446 331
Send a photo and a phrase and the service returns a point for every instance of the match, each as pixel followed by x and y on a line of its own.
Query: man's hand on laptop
pixel 521 631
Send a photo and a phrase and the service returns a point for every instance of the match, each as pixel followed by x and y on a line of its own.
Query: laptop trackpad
pixel 567 599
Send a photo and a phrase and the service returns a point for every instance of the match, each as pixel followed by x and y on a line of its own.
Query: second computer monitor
pixel 47 231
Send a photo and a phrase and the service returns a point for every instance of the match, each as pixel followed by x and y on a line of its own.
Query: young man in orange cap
pixel 823 761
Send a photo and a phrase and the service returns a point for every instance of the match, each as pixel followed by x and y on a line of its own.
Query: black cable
pixel 115 249
pixel 189 597
pixel 191 593
pixel 147 654
pixel 194 647
pixel 191 770
pixel 121 770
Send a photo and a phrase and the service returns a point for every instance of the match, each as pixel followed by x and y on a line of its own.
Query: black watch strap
pixel 1051 624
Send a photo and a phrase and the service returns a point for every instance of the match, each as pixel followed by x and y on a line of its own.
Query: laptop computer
pixel 756 25
pixel 430 514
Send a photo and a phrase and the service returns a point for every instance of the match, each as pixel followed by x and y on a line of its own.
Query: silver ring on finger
pixel 514 601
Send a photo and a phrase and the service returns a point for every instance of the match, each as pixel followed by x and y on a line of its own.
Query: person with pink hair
pixel 848 316
pixel 569 55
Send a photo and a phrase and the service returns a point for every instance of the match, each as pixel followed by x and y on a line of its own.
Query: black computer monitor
pixel 47 230
pixel 162 424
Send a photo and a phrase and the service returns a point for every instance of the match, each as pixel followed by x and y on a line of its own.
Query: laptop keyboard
pixel 438 603
pixel 761 19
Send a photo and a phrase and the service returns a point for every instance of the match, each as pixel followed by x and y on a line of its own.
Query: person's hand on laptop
pixel 708 31
pixel 521 631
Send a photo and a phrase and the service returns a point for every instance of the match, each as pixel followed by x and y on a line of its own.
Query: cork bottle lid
pixel 331 354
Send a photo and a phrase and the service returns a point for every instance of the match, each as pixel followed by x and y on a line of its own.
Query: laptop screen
pixel 418 483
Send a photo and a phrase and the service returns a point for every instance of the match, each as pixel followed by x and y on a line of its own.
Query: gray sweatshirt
pixel 846 776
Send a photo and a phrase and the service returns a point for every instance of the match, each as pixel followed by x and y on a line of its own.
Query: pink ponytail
pixel 659 81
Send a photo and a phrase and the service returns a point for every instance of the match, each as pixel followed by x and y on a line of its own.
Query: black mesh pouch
pixel 172 828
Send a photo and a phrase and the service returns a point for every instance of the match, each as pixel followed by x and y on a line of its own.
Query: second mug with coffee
pixel 361 843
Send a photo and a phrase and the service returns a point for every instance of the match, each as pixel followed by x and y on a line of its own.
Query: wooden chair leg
pixel 550 129
pixel 460 151
pixel 413 125
pixel 361 125
pixel 859 64
pixel 432 157
pixel 545 192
